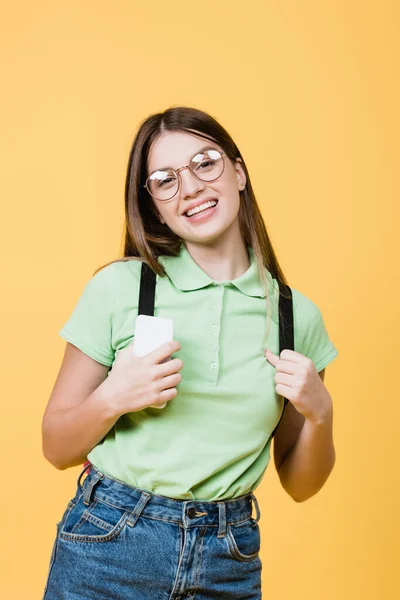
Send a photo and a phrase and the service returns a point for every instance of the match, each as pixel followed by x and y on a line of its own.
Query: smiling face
pixel 217 202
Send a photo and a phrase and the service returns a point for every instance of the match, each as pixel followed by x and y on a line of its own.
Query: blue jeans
pixel 118 542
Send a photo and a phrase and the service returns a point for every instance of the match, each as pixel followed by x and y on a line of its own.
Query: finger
pixel 171 381
pixel 163 405
pixel 283 378
pixel 281 365
pixel 291 355
pixel 284 390
pixel 163 397
pixel 285 366
pixel 271 357
pixel 163 352
pixel 167 395
pixel 168 368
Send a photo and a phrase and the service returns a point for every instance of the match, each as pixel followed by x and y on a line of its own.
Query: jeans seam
pixel 197 573
pixel 82 518
pixel 180 559
pixel 98 522
pixel 235 550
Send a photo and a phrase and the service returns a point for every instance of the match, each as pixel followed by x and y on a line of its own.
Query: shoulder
pixel 305 308
pixel 110 282
pixel 311 335
pixel 118 272
pixel 307 319
pixel 131 264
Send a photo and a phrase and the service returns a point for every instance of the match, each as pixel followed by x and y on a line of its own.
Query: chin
pixel 206 237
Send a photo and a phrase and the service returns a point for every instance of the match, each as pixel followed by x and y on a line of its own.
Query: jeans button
pixel 191 513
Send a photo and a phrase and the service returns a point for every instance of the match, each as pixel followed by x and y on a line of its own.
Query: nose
pixel 190 185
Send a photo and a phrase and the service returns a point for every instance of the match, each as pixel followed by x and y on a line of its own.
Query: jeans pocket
pixel 98 522
pixel 244 540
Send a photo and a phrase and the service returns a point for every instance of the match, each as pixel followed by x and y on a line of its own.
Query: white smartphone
pixel 150 333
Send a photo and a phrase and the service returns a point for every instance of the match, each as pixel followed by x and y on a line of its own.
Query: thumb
pixel 271 357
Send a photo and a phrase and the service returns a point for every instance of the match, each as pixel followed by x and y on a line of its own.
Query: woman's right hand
pixel 137 382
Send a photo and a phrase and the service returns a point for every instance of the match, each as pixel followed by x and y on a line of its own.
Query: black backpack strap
pixel 286 328
pixel 147 291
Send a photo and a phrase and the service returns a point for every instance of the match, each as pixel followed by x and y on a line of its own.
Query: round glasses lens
pixel 163 184
pixel 208 165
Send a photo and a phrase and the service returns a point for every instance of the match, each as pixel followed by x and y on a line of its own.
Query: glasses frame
pixel 189 166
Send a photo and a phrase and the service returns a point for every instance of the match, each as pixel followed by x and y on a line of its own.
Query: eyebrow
pixel 208 147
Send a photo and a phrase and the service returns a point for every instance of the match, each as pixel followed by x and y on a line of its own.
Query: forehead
pixel 175 148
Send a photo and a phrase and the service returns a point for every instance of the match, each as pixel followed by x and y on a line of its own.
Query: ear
pixel 240 174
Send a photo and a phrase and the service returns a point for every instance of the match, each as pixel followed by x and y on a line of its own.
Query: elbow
pixel 47 449
pixel 303 499
pixel 51 458
pixel 54 462
pixel 298 498
pixel 319 486
pixel 57 462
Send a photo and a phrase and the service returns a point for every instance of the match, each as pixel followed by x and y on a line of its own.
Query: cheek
pixel 229 187
pixel 230 193
pixel 226 188
pixel 165 211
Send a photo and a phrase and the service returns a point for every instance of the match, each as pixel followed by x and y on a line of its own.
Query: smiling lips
pixel 201 208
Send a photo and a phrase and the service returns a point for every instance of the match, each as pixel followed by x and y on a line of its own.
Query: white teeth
pixel 198 209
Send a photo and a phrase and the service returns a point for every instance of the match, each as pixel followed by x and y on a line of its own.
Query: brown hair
pixel 145 238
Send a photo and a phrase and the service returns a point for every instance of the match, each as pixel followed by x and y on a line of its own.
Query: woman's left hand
pixel 297 380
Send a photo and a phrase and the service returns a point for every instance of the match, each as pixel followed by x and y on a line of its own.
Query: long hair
pixel 145 238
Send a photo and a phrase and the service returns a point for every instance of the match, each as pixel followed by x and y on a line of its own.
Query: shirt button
pixel 214 347
pixel 215 327
pixel 213 365
pixel 217 306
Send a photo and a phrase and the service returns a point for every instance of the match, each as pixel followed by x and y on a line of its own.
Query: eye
pixel 160 179
pixel 205 164
pixel 164 181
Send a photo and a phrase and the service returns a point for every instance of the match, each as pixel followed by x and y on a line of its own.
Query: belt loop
pixel 137 511
pixel 82 472
pixel 222 519
pixel 256 506
pixel 95 478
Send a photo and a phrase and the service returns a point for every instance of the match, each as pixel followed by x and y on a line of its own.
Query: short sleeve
pixel 89 327
pixel 311 336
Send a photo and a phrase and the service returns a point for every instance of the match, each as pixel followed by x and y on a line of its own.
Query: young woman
pixel 166 509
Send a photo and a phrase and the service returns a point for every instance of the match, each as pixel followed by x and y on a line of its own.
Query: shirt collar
pixel 186 274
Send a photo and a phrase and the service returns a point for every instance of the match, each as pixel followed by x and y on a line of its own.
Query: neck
pixel 222 260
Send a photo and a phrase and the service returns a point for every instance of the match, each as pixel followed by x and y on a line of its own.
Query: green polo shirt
pixel 212 441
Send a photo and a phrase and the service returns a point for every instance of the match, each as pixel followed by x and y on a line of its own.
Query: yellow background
pixel 309 90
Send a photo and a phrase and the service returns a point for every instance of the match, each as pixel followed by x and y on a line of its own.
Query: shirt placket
pixel 215 311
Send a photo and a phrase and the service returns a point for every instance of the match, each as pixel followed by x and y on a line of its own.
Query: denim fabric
pixel 118 542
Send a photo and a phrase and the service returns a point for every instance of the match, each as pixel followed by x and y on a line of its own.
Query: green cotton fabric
pixel 212 441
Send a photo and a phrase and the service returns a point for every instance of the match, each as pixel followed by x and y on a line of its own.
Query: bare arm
pixel 86 401
pixel 77 416
pixel 304 453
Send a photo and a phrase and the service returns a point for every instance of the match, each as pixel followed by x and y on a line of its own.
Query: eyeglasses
pixel 207 165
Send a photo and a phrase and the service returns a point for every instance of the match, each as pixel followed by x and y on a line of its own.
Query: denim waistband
pixel 188 513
